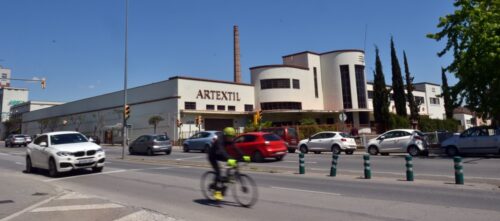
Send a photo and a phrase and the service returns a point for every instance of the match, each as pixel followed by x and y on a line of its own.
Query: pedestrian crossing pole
pixel 333 169
pixel 459 170
pixel 302 169
pixel 409 168
pixel 368 172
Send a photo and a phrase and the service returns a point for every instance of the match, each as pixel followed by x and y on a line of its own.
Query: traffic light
pixel 43 83
pixel 255 119
pixel 127 111
pixel 259 115
pixel 198 121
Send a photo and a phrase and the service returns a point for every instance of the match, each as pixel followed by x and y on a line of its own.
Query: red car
pixel 260 145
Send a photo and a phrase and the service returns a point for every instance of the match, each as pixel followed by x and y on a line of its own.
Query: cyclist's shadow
pixel 214 203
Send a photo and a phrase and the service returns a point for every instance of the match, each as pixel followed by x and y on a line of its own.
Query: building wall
pixel 5 75
pixel 10 97
pixel 435 111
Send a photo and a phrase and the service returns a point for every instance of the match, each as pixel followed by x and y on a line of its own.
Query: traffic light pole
pixel 124 132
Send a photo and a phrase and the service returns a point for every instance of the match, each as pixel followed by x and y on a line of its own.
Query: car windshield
pixel 67 139
pixel 161 138
pixel 344 135
pixel 19 136
pixel 271 137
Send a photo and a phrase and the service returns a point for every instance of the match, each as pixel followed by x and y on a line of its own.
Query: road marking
pixel 74 195
pixel 305 191
pixel 190 158
pixel 144 215
pixel 77 207
pixel 4 154
pixel 28 208
pixel 19 163
pixel 293 161
pixel 104 173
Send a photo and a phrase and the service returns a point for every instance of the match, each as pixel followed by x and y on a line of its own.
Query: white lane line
pixel 104 173
pixel 144 215
pixel 190 158
pixel 74 195
pixel 19 163
pixel 77 207
pixel 4 154
pixel 305 191
pixel 28 208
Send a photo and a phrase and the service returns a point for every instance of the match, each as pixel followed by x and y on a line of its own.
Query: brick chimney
pixel 237 71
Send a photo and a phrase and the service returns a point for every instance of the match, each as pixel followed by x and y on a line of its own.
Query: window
pixel 41 139
pixel 210 107
pixel 246 139
pixel 370 94
pixel 67 139
pixel 281 106
pixel 315 83
pixel 434 100
pixel 296 84
pixel 271 137
pixel 360 85
pixel 248 107
pixel 274 83
pixel 221 107
pixel 346 86
pixel 190 105
pixel 419 100
pixel 329 135
pixel 231 108
pixel 4 76
pixel 317 136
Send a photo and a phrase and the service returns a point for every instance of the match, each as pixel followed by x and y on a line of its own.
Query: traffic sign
pixel 342 117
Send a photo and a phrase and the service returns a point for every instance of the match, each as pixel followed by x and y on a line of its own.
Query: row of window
pixel 192 106
pixel 279 83
pixel 418 99
pixel 281 106
pixel 359 71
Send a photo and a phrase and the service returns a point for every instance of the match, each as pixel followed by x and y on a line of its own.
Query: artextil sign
pixel 218 95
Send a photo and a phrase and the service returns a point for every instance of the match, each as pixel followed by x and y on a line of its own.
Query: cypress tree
pixel 380 97
pixel 398 89
pixel 449 103
pixel 409 90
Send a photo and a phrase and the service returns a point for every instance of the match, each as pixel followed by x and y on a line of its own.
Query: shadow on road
pixel 207 202
pixel 42 172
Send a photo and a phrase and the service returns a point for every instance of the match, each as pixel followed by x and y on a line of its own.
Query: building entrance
pixel 218 124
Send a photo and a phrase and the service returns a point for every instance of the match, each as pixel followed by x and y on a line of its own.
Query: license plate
pixel 279 153
pixel 86 161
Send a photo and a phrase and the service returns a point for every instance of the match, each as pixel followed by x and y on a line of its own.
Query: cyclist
pixel 217 152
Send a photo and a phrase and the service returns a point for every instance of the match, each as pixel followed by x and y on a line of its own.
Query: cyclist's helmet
pixel 229 132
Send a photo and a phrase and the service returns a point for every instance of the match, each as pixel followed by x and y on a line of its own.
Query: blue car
pixel 200 141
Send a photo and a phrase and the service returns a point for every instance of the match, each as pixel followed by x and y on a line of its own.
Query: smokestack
pixel 237 71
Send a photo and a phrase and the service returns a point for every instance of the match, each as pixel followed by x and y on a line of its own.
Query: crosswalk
pixel 80 207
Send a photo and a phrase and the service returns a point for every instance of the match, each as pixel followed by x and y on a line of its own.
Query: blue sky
pixel 79 45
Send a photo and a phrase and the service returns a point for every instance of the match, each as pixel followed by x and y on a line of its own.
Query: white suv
pixel 64 151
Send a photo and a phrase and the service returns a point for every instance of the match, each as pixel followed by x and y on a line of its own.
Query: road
pixel 173 190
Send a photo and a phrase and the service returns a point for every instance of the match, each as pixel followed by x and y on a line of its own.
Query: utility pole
pixel 124 132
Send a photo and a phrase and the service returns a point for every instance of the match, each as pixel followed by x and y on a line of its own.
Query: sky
pixel 78 45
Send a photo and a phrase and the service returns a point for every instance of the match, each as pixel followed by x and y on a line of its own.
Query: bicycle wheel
pixel 245 190
pixel 206 180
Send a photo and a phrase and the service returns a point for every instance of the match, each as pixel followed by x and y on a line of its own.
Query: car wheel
pixel 29 166
pixel 168 152
pixel 257 157
pixel 53 168
pixel 373 150
pixel 150 152
pixel 349 152
pixel 131 151
pixel 451 151
pixel 303 148
pixel 97 169
pixel 185 148
pixel 336 149
pixel 205 149
pixel 291 150
pixel 280 158
pixel 413 151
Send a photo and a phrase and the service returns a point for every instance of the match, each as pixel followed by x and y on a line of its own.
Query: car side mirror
pixel 310 139
pixel 44 144
pixel 91 140
pixel 381 137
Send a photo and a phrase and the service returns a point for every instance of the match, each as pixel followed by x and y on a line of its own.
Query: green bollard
pixel 409 168
pixel 333 169
pixel 302 166
pixel 459 170
pixel 368 172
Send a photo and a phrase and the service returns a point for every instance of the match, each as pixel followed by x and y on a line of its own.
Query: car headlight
pixel 64 153
pixel 99 150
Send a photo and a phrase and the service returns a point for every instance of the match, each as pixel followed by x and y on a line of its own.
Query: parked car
pixel 151 144
pixel 475 140
pixel 288 134
pixel 64 151
pixel 328 141
pixel 200 141
pixel 260 145
pixel 16 140
pixel 408 141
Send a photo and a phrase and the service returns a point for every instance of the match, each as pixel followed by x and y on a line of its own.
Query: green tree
pixel 409 90
pixel 380 96
pixel 449 97
pixel 472 34
pixel 398 88
pixel 154 121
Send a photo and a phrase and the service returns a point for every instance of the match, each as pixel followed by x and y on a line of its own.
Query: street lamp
pixel 124 126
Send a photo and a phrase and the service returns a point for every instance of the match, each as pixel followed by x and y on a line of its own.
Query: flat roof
pixel 208 80
pixel 323 53
pixel 428 83
pixel 280 66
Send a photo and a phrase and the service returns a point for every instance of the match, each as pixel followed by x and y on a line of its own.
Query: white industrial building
pixel 307 85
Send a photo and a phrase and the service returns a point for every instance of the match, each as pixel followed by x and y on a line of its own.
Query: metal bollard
pixel 368 173
pixel 459 170
pixel 302 169
pixel 409 168
pixel 333 169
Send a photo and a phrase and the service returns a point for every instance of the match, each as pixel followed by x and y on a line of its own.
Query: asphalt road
pixel 174 190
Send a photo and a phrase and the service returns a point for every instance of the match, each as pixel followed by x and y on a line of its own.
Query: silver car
pixel 16 140
pixel 151 144
pixel 475 140
pixel 408 141
pixel 200 141
pixel 328 141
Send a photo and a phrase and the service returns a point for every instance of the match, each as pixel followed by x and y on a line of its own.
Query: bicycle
pixel 243 186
